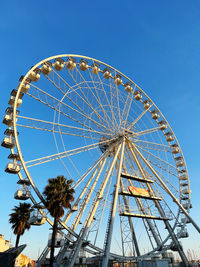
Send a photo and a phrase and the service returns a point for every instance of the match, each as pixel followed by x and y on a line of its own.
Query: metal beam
pixel 89 219
pixel 158 205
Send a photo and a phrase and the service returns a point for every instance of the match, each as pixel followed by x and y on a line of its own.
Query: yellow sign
pixel 138 191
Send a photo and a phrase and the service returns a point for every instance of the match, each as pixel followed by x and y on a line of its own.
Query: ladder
pixel 108 225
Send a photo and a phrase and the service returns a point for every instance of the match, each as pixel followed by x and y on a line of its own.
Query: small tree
pixel 58 195
pixel 20 220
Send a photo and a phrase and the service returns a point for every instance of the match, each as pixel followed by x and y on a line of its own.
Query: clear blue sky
pixel 155 43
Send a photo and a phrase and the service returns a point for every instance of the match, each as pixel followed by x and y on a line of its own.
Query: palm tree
pixel 20 220
pixel 58 195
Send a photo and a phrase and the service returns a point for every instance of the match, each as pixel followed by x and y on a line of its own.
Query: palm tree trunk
pixel 17 241
pixel 53 239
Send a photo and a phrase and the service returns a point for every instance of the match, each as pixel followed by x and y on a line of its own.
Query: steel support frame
pixel 89 219
pixel 113 211
pixel 157 204
pixel 135 243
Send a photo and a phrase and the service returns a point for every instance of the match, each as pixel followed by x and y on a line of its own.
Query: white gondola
pixel 169 137
pixel 58 64
pixel 137 95
pixel 179 161
pixel 128 87
pixel 184 197
pixel 14 166
pixel 34 75
pixel 25 86
pixel 183 175
pixel 59 240
pixel 46 68
pixel 21 195
pixel 83 65
pixel 95 68
pixel 13 96
pixel 163 125
pixel 184 184
pixel 118 79
pixel 155 115
pixel 186 191
pixel 36 218
pixel 8 118
pixel 9 140
pixel 23 192
pixel 146 104
pixel 71 63
pixel 175 148
pixel 106 73
pixel 183 234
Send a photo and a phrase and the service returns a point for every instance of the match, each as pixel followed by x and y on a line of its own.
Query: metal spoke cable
pixel 49 126
pixel 88 87
pixel 138 118
pixel 97 97
pixel 66 94
pixel 63 154
pixel 64 105
pixel 84 99
pixel 158 158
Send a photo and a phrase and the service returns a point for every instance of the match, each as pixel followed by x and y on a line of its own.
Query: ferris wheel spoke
pixel 167 190
pixel 162 168
pixel 84 98
pixel 72 89
pixel 113 104
pixel 168 184
pixel 162 163
pixel 54 107
pixel 61 155
pixel 102 87
pixel 126 109
pixel 99 101
pixel 145 132
pixel 162 176
pixel 54 103
pixel 58 127
pixel 152 145
pixel 138 118
pixel 115 93
pixel 95 96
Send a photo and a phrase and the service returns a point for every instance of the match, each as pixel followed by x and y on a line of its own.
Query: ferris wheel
pixel 83 118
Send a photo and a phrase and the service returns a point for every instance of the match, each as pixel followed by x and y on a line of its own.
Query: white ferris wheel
pixel 83 118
